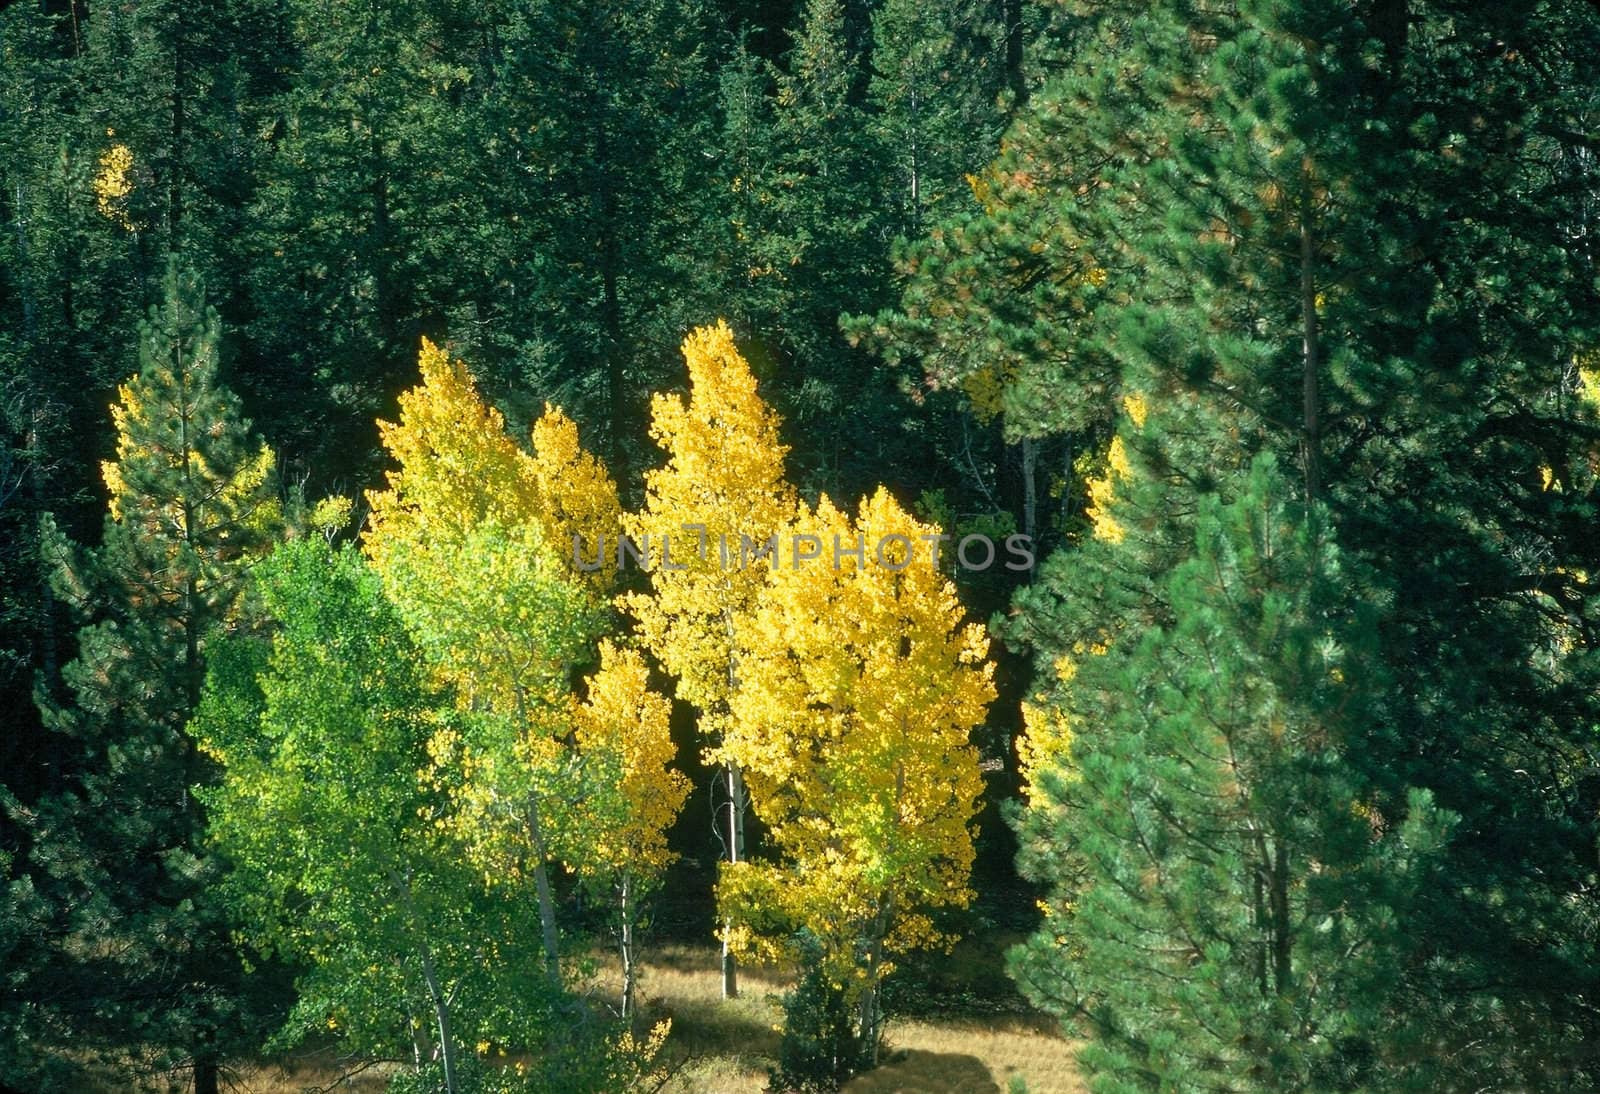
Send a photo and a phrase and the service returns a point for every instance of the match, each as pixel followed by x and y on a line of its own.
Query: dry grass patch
pixel 726 1047
pixel 972 1056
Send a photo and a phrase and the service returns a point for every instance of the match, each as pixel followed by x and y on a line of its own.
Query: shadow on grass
pixel 719 1029
pixel 918 1072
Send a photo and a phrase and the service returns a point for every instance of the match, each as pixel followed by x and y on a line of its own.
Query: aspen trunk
pixel 547 903
pixel 730 963
pixel 441 1013
pixel 630 972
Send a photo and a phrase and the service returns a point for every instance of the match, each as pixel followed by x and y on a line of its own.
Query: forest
pixel 799 545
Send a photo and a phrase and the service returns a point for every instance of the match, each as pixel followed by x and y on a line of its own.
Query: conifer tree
pixel 937 74
pixel 1283 206
pixel 192 502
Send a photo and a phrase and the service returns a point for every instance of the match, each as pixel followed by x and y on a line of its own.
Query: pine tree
pixel 833 216
pixel 595 131
pixel 192 502
pixel 1284 206
pixel 1232 886
pixel 937 75
pixel 346 266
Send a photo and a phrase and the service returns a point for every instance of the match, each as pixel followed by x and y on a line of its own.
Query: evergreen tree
pixel 935 89
pixel 1232 883
pixel 345 254
pixel 117 851
pixel 596 133
pixel 1304 259
pixel 829 189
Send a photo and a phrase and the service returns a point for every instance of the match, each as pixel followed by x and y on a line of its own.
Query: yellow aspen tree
pixel 577 499
pixel 630 794
pixel 467 548
pixel 860 684
pixel 458 468
pixel 718 502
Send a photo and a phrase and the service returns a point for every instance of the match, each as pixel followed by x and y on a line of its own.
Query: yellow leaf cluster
pixel 626 727
pixel 723 480
pixel 577 499
pixel 458 469
pixel 113 185
pixel 985 388
pixel 1103 488
pixel 859 687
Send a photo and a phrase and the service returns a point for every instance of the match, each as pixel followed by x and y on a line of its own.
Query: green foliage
pixel 336 825
pixel 820 1050
pixel 1278 319
pixel 1298 260
pixel 1230 900
pixel 117 851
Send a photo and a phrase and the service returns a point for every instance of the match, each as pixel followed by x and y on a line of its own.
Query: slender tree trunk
pixel 736 819
pixel 630 974
pixel 736 810
pixel 441 1013
pixel 1016 77
pixel 1311 351
pixel 870 1013
pixel 547 903
pixel 430 977
pixel 422 1046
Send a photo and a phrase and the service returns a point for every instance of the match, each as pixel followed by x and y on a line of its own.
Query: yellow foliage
pixel 626 727
pixel 114 184
pixel 576 497
pixel 722 487
pixel 1136 407
pixel 458 469
pixel 985 388
pixel 1103 488
pixel 1103 493
pixel 859 687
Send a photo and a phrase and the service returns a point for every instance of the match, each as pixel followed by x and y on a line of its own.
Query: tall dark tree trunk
pixel 1310 354
pixel 1016 76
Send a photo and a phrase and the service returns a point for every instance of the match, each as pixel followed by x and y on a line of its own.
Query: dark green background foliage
pixel 1329 815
